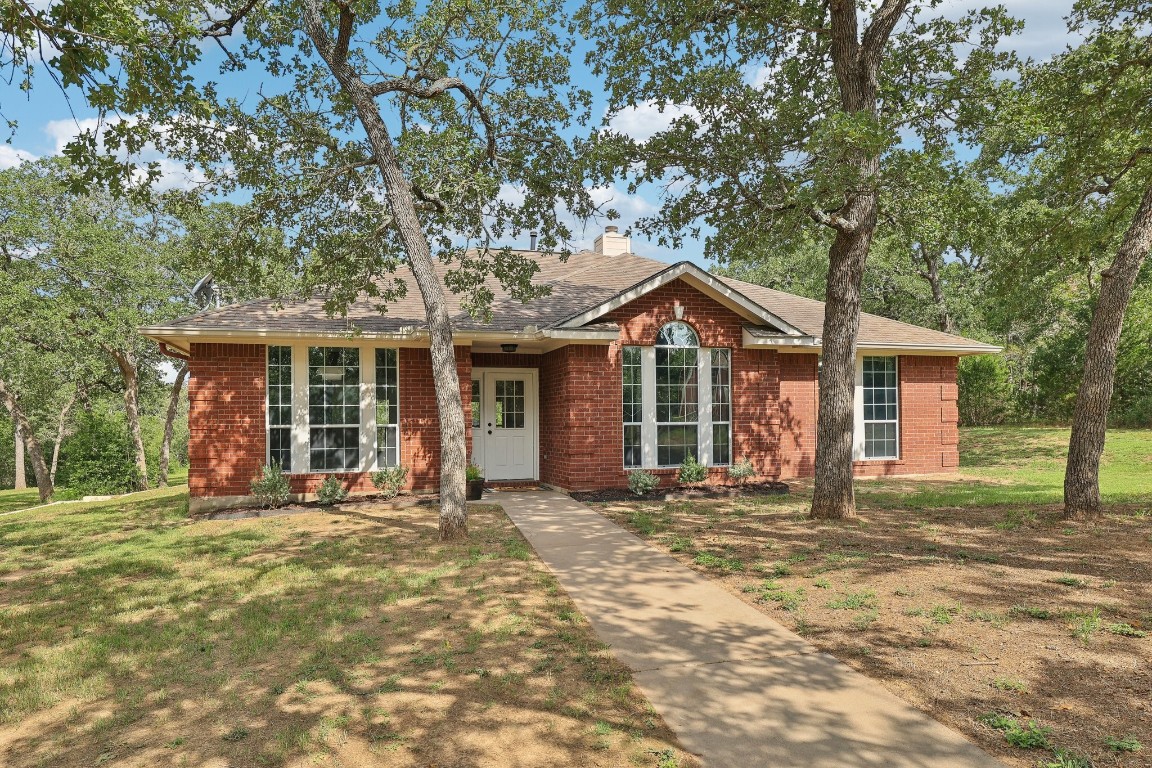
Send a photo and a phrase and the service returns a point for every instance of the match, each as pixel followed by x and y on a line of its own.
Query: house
pixel 629 363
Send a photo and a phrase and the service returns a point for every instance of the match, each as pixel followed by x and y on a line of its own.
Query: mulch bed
pixel 685 493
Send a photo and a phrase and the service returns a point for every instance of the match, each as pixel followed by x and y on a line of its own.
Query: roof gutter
pixel 165 335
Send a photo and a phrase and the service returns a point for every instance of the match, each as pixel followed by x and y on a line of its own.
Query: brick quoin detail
pixel 581 434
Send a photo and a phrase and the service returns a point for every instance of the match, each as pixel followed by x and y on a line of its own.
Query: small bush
pixel 742 471
pixel 390 481
pixel 642 483
pixel 331 491
pixel 692 471
pixel 473 472
pixel 271 487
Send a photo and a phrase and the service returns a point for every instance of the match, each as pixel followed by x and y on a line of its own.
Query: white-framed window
pixel 880 390
pixel 677 401
pixel 387 408
pixel 333 409
pixel 721 407
pixel 633 407
pixel 677 395
pixel 280 407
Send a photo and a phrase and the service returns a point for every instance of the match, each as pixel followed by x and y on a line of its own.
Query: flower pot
pixel 475 490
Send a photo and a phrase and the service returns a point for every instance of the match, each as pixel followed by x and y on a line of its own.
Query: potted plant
pixel 475 477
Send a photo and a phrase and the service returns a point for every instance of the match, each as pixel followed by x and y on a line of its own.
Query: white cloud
pixel 173 173
pixel 10 156
pixel 647 118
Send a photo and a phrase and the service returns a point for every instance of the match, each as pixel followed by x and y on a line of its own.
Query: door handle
pixel 489 431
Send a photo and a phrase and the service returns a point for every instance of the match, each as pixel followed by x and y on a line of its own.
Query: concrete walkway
pixel 739 689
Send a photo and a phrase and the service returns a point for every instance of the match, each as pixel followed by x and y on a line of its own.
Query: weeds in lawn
pixel 644 523
pixel 1125 630
pixel 854 601
pixel 1068 580
pixel 788 600
pixel 1062 758
pixel 1009 684
pixel 718 562
pixel 1029 736
pixel 1126 744
pixel 1030 611
pixel 1085 625
pixel 822 584
pixel 680 544
pixel 864 620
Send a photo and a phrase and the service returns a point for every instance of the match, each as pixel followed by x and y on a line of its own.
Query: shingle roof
pixel 583 282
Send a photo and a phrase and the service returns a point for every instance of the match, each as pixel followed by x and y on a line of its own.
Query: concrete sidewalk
pixel 739 689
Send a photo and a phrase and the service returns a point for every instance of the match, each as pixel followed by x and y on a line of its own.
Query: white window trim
pixel 704 406
pixel 858 413
pixel 300 424
pixel 267 424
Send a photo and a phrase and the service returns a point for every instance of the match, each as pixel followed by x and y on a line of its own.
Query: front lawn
pixel 968 597
pixel 11 501
pixel 132 636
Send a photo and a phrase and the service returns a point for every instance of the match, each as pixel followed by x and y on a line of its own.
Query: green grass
pixel 10 500
pixel 1021 466
pixel 271 641
pixel 13 501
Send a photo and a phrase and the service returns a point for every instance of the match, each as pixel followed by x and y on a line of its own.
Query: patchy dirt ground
pixel 131 636
pixel 988 618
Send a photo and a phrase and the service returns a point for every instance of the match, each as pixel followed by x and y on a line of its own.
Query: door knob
pixel 489 431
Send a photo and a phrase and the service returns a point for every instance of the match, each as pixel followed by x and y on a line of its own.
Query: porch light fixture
pixel 508 347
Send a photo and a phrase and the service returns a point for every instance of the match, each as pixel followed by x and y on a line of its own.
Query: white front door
pixel 505 440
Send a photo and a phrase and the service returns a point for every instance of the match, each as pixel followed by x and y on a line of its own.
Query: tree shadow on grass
pixel 148 640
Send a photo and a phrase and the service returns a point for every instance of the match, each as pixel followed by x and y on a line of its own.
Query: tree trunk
pixel 61 432
pixel 931 275
pixel 169 420
pixel 127 364
pixel 402 203
pixel 856 62
pixel 833 495
pixel 1090 418
pixel 21 482
pixel 35 450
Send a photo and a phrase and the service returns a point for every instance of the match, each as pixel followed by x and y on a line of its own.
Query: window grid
pixel 280 407
pixel 334 409
pixel 510 404
pixel 881 415
pixel 387 408
pixel 721 407
pixel 476 403
pixel 677 395
pixel 633 407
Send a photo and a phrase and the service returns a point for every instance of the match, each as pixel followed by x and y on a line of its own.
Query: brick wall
pixel 226 438
pixel 929 431
pixel 581 435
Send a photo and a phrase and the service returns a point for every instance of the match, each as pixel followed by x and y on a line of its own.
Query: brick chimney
pixel 612 243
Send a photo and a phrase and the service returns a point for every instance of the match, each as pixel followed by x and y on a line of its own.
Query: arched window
pixel 677 394
pixel 677 401
pixel 677 334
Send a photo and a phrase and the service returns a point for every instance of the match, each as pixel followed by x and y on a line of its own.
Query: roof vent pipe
pixel 532 242
pixel 612 243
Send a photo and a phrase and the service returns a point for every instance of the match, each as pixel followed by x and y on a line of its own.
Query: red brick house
pixel 629 363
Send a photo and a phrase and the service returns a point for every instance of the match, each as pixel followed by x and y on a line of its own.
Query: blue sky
pixel 48 119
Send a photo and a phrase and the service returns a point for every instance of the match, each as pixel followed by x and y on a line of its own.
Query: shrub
pixel 473 472
pixel 390 481
pixel 692 471
pixel 97 458
pixel 742 471
pixel 271 487
pixel 642 483
pixel 331 491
